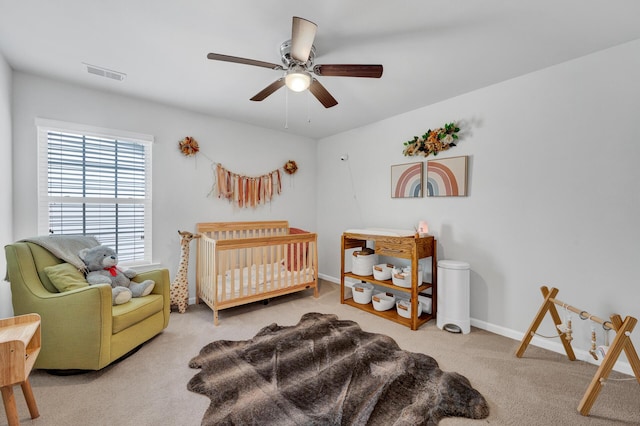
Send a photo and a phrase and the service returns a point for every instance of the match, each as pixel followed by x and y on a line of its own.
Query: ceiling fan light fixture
pixel 297 80
pixel 298 56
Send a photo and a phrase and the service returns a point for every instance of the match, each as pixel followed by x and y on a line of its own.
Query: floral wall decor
pixel 188 146
pixel 433 141
pixel 290 167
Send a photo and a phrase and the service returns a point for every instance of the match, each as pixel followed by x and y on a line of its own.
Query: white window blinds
pixel 97 183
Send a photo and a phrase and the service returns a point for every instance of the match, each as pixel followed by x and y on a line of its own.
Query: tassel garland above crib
pixel 247 191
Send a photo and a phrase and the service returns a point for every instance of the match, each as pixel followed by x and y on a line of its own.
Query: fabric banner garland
pixel 247 191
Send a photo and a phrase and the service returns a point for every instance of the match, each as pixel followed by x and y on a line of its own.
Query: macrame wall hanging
pixel 243 191
pixel 247 191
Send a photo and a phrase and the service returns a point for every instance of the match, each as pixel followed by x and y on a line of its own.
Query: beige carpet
pixel 150 387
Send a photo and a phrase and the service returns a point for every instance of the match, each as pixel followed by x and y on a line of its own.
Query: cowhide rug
pixel 324 371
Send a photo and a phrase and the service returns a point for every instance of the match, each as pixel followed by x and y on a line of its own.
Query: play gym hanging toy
pixel 565 328
pixel 592 351
pixel 602 350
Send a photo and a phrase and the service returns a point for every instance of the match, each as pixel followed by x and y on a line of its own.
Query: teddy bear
pixel 102 268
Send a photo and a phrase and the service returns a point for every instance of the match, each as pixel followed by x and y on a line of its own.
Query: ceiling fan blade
pixel 303 33
pixel 235 59
pixel 322 94
pixel 348 70
pixel 262 95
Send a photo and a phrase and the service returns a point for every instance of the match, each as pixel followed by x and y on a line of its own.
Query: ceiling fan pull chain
pixel 286 109
pixel 308 107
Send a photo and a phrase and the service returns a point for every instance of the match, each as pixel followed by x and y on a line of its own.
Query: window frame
pixel 44 126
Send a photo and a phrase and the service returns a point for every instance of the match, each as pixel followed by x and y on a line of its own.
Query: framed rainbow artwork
pixel 406 180
pixel 447 177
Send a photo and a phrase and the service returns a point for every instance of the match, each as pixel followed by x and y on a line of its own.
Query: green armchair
pixel 81 330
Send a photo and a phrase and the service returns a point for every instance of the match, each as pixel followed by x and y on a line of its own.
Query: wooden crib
pixel 244 262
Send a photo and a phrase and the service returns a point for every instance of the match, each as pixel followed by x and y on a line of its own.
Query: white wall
pixel 553 198
pixel 180 184
pixel 6 186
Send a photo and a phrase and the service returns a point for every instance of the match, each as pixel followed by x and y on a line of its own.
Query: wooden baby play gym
pixel 621 342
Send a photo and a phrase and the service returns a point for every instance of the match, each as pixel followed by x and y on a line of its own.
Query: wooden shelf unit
pixel 411 248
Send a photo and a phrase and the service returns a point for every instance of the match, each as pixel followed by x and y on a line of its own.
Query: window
pixel 96 182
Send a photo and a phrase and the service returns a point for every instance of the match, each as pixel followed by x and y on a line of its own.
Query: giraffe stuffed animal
pixel 180 285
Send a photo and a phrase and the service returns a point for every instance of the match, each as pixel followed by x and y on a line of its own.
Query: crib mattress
pixel 256 279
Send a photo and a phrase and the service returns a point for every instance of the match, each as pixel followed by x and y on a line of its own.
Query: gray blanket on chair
pixel 65 247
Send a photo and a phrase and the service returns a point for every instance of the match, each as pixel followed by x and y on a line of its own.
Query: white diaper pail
pixel 453 296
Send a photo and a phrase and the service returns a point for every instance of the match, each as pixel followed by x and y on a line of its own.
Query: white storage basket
pixel 404 308
pixel 362 293
pixel 402 277
pixel 382 272
pixel 362 263
pixel 383 301
pixel 426 302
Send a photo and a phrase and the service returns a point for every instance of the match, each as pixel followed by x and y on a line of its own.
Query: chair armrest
pixel 91 307
pixel 81 315
pixel 159 276
pixel 162 287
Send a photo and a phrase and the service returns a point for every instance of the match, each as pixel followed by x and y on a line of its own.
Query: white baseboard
pixel 554 346
pixel 329 278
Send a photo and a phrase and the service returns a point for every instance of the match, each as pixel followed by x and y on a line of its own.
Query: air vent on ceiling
pixel 103 72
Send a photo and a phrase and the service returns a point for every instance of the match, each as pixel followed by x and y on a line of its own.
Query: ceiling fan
pixel 298 56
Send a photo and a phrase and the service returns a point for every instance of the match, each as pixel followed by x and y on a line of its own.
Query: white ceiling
pixel 431 50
